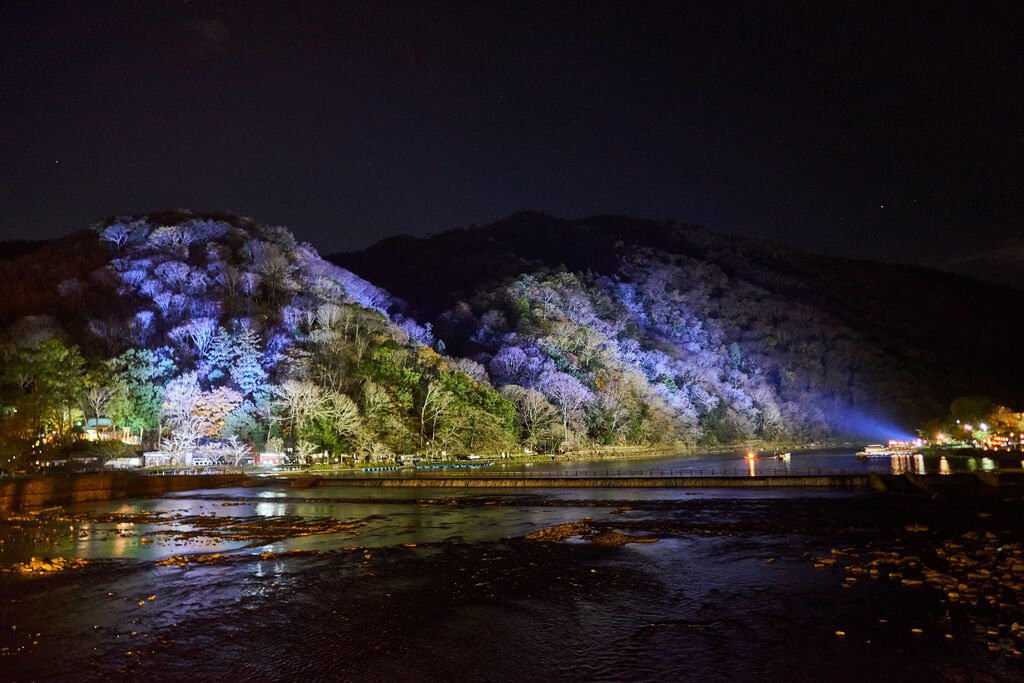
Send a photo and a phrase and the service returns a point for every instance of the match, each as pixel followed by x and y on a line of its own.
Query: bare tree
pixel 95 398
pixel 534 412
pixel 436 402
pixel 117 234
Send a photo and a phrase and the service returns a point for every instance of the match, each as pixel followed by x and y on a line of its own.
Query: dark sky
pixel 846 128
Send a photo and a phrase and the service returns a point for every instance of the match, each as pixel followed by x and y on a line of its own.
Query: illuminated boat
pixel 893 448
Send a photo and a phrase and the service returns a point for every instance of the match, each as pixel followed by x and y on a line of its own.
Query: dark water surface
pixel 442 584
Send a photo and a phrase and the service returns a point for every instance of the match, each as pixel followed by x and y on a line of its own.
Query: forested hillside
pixel 215 335
pixel 738 337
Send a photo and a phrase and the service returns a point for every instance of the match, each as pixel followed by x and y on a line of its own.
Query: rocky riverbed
pixel 643 584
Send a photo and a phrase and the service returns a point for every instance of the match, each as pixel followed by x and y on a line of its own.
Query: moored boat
pixel 892 448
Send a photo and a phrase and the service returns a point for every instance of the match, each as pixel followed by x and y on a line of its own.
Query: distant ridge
pixel 1004 265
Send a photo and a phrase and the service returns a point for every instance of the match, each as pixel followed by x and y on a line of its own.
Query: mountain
pixel 210 335
pixel 733 333
pixel 1003 265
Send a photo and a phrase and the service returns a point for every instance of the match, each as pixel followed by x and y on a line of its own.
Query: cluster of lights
pixel 900 445
pixel 1009 442
pixel 979 436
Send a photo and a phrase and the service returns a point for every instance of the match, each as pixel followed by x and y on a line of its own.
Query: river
pixel 825 461
pixel 332 583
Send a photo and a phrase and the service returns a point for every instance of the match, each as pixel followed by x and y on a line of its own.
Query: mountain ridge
pixel 908 311
pixel 216 334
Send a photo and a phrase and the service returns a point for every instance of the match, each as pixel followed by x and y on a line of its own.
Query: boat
pixel 881 450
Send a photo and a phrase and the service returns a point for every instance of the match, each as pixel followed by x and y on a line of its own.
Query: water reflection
pixel 266 509
pixel 944 466
pixel 900 463
pixel 833 461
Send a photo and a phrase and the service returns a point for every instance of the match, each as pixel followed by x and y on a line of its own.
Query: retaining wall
pixel 61 490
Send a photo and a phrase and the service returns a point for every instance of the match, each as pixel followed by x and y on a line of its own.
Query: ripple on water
pixel 727 592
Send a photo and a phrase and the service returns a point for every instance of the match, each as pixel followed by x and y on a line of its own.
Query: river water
pixel 830 461
pixel 339 582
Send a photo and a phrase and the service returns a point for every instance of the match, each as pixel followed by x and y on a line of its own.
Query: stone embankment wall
pixel 61 490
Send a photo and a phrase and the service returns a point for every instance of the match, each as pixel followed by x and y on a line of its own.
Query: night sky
pixel 892 133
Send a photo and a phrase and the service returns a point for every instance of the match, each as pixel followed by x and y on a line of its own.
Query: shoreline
pixel 595 455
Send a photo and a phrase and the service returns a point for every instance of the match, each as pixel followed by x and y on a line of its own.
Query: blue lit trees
pixel 215 324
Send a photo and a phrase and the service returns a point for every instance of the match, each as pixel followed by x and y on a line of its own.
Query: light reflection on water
pixel 388 521
pixel 915 464
pixel 727 606
pixel 264 509
pixel 394 516
pixel 738 464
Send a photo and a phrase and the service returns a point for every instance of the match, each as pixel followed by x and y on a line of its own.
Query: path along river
pixel 332 583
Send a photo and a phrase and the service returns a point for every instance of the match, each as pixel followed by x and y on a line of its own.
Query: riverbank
pixel 596 454
pixel 1004 457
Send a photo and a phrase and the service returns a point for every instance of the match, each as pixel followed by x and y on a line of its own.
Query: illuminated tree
pixel 174 273
pixel 534 413
pixel 318 414
pixel 245 369
pixel 138 377
pixel 180 398
pixel 435 403
pixel 96 392
pixel 117 234
pixel 212 407
pixel 507 365
pixel 569 396
pixel 42 384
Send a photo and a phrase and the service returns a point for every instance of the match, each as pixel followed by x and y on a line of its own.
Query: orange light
pixel 750 455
